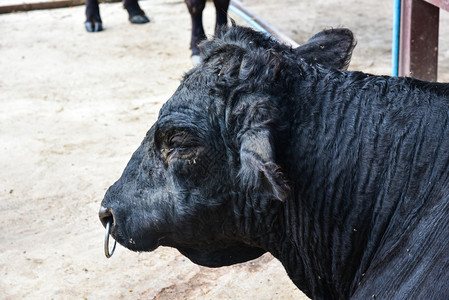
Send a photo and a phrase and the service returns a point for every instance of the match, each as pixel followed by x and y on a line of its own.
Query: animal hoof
pixel 93 26
pixel 139 19
pixel 196 60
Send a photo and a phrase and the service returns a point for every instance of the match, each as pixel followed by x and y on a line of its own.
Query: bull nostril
pixel 106 215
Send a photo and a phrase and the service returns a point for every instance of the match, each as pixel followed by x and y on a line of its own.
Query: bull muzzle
pixel 107 219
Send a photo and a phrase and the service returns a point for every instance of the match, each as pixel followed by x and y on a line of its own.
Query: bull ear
pixel 259 173
pixel 331 48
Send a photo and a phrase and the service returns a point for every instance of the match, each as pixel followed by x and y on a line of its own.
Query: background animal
pixel 136 15
pixel 94 23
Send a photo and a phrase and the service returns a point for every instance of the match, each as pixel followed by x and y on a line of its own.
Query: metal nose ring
pixel 106 240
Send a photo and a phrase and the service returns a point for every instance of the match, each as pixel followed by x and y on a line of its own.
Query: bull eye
pixel 175 144
pixel 180 139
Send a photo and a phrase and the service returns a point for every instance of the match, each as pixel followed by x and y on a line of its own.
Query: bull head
pixel 211 167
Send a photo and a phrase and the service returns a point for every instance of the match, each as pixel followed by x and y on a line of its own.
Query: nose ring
pixel 106 241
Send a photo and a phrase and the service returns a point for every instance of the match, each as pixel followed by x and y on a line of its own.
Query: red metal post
pixel 418 54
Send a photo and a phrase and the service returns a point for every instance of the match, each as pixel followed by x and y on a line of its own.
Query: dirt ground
pixel 73 108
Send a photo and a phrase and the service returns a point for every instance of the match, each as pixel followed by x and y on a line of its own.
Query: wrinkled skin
pixel 342 176
pixel 182 185
pixel 161 197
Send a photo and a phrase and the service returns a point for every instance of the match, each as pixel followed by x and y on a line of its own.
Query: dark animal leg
pixel 93 20
pixel 221 9
pixel 136 14
pixel 196 8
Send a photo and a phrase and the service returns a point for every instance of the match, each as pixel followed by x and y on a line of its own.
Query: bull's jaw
pixel 223 257
pixel 225 253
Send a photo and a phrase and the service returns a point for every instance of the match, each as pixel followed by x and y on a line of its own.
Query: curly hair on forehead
pixel 242 37
pixel 261 71
pixel 243 55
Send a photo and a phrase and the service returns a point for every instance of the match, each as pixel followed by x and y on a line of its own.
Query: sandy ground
pixel 73 108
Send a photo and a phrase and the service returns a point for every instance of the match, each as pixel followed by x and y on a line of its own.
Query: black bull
pixel 342 176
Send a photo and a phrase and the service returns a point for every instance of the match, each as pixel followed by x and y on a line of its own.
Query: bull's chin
pixel 141 248
pixel 141 245
pixel 223 257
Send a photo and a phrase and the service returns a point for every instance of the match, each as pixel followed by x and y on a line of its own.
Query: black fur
pixel 343 176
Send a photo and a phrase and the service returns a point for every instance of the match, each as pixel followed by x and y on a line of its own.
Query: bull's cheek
pixel 151 225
